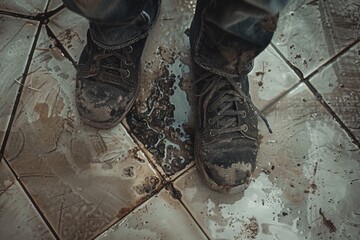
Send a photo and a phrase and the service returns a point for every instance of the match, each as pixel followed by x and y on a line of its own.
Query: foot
pixel 226 140
pixel 107 83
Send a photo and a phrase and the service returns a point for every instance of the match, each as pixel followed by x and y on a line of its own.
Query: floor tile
pixel 18 217
pixel 161 116
pixel 70 29
pixel 53 4
pixel 28 7
pixel 270 78
pixel 83 179
pixel 311 32
pixel 339 85
pixel 17 38
pixel 305 186
pixel 161 217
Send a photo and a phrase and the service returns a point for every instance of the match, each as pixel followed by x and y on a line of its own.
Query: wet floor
pixel 60 179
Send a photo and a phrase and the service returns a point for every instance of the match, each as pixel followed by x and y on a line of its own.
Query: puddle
pixel 162 123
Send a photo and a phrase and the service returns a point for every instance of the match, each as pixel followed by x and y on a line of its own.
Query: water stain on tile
pixel 156 219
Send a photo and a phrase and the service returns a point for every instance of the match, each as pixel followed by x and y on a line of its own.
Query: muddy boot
pixel 107 82
pixel 226 140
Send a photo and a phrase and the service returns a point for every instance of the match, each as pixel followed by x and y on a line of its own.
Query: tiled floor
pixel 60 179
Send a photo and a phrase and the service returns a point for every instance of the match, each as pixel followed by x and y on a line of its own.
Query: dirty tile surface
pixel 311 32
pixel 75 173
pixel 341 90
pixel 138 180
pixel 305 186
pixel 162 217
pixel 19 219
pixel 70 29
pixel 28 7
pixel 17 38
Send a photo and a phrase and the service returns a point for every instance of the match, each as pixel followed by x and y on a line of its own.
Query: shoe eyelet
pixel 212 133
pixel 130 49
pixel 245 128
pixel 127 63
pixel 243 114
pixel 211 121
pixel 127 73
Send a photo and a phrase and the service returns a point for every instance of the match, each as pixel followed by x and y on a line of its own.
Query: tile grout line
pixel 58 44
pixel 28 195
pixel 182 203
pixel 40 17
pixel 314 91
pixel 11 121
pixel 21 87
pixel 131 211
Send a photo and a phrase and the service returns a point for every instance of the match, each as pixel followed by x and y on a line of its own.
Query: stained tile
pixel 270 78
pixel 161 116
pixel 28 7
pixel 304 187
pixel 83 179
pixel 161 217
pixel 17 37
pixel 311 32
pixel 18 217
pixel 339 85
pixel 70 28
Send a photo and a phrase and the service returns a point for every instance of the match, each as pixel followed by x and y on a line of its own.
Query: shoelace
pixel 226 117
pixel 113 70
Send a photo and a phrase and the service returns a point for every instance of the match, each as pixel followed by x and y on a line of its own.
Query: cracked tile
pixel 83 179
pixel 19 219
pixel 339 85
pixel 161 217
pixel 28 7
pixel 311 32
pixel 17 38
pixel 305 186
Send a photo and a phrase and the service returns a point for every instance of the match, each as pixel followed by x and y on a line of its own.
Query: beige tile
pixel 17 37
pixel 18 217
pixel 161 117
pixel 308 165
pixel 339 85
pixel 311 32
pixel 270 78
pixel 28 7
pixel 70 28
pixel 161 217
pixel 82 179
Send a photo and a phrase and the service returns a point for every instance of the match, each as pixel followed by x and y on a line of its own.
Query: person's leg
pixel 107 81
pixel 225 37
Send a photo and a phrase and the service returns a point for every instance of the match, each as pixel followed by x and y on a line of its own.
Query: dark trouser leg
pixel 226 35
pixel 116 23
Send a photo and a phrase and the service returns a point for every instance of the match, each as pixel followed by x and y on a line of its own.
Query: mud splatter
pixel 148 187
pixel 328 223
pixel 163 126
pixel 251 228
